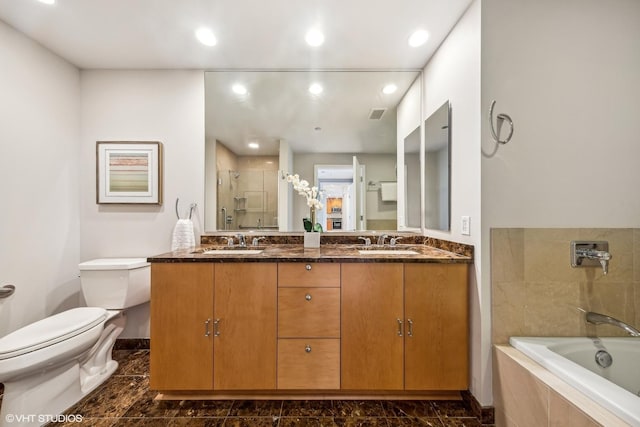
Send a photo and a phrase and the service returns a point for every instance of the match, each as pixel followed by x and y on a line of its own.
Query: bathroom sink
pixel 232 252
pixel 388 252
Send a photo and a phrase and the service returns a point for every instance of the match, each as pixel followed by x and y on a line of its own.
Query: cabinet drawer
pixel 312 364
pixel 301 274
pixel 309 312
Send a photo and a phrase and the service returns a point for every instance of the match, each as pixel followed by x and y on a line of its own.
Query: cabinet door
pixel 436 345
pixel 181 304
pixel 245 308
pixel 372 346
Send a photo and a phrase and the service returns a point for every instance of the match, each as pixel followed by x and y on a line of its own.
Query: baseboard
pixel 486 414
pixel 132 344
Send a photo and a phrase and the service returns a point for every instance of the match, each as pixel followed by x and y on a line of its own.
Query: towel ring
pixel 7 290
pixel 500 117
pixel 191 208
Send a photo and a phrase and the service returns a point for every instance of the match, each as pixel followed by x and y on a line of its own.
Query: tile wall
pixel 536 292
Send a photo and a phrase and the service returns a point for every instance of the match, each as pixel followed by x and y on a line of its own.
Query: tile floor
pixel 125 400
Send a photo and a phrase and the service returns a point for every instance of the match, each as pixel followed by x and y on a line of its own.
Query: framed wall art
pixel 129 172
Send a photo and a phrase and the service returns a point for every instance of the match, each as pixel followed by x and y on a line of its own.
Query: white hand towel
pixel 183 237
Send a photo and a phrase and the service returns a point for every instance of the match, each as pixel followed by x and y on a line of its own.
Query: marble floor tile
pixel 307 408
pixel 256 408
pixel 357 408
pixel 126 401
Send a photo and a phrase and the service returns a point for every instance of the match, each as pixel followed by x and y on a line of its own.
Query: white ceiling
pixel 258 35
pixel 136 34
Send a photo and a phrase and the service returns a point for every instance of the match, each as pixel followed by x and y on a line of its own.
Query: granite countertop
pixel 326 253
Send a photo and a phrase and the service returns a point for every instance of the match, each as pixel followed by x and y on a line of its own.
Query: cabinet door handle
pixel 308 267
pixel 410 331
pixel 307 348
pixel 307 297
pixel 399 327
pixel 216 328
pixel 207 332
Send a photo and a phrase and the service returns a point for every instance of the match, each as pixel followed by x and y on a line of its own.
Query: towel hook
pixel 500 117
pixel 192 206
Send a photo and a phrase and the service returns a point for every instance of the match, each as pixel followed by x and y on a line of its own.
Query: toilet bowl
pixel 49 365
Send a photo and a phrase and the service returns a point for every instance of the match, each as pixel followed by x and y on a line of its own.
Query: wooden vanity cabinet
pixel 436 344
pixel 213 326
pixel 308 326
pixel 372 348
pixel 244 351
pixel 181 304
pixel 404 326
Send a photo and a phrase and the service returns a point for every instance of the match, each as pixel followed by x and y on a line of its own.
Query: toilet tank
pixel 115 283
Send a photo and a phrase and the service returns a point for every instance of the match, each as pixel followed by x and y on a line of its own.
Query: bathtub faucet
pixel 597 319
pixel 589 253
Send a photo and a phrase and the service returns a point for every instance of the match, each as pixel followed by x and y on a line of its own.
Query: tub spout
pixel 597 319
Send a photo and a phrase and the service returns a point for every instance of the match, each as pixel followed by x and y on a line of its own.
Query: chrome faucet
pixel 367 241
pixel 394 240
pixel 241 242
pixel 597 319
pixel 592 252
pixel 381 239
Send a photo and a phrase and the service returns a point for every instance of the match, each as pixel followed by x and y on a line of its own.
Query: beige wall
pixel 536 292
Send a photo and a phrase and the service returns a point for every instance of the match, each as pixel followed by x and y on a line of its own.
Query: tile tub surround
pixel 125 400
pixel 527 394
pixel 536 292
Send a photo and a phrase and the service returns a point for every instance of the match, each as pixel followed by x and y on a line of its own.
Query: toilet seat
pixel 51 330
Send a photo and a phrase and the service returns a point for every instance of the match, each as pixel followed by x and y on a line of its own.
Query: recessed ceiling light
pixel 314 37
pixel 418 38
pixel 47 1
pixel 239 89
pixel 206 37
pixel 389 89
pixel 254 145
pixel 315 88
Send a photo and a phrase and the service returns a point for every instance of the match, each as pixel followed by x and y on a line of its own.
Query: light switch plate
pixel 466 225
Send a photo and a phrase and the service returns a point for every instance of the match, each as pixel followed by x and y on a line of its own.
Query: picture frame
pixel 129 172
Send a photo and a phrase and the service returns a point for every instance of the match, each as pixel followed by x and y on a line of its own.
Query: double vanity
pixel 280 320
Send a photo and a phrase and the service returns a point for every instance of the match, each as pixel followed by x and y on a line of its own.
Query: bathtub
pixel 616 388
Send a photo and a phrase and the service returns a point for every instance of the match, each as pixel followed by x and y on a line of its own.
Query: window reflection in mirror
pixel 437 164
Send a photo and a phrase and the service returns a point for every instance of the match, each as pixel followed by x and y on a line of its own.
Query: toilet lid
pixel 113 264
pixel 51 330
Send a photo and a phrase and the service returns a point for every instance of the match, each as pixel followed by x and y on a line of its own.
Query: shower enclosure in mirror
pixel 251 115
pixel 437 167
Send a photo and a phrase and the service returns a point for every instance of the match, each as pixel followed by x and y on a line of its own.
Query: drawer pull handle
pixel 307 348
pixel 410 331
pixel 399 327
pixel 216 328
pixel 307 297
pixel 207 332
pixel 308 267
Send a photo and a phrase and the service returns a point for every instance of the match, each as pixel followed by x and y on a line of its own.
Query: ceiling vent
pixel 377 113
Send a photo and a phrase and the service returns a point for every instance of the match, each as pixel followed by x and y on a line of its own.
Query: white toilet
pixel 49 365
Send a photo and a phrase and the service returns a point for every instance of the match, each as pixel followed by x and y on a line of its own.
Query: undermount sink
pixel 232 252
pixel 388 252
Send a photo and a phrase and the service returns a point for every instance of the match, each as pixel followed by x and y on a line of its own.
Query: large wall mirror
pixel 262 124
pixel 437 167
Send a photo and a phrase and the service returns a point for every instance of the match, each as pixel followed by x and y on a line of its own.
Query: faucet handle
pixel 367 241
pixel 394 240
pixel 229 240
pixel 255 240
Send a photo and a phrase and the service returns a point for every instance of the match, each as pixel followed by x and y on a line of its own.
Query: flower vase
pixel 311 237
